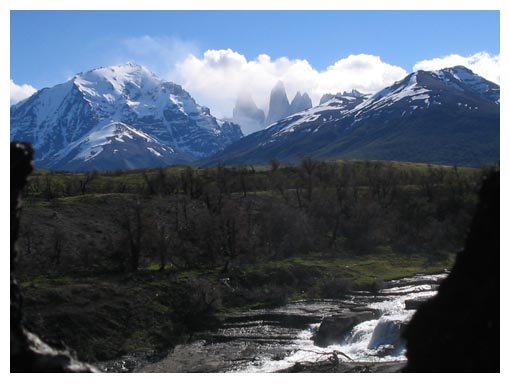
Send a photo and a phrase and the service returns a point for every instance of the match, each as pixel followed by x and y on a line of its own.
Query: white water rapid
pixel 371 341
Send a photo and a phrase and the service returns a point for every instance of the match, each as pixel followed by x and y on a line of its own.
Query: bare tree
pixel 275 164
pixel 243 173
pixel 308 168
pixel 132 225
pixel 163 238
pixel 57 246
pixel 86 180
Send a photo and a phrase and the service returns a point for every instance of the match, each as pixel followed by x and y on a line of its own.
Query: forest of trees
pixel 186 218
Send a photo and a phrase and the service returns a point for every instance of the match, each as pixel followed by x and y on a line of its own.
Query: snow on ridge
pixel 292 126
pixel 465 76
pixel 91 145
pixel 411 88
pixel 49 101
pixel 155 152
pixel 119 75
pixel 67 119
pixel 389 96
pixel 312 114
pixel 122 89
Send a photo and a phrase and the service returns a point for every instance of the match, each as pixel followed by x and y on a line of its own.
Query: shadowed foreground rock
pixel 458 330
pixel 28 352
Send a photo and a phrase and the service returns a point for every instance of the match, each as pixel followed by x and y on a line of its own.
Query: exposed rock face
pixel 247 115
pixel 28 352
pixel 328 96
pixel 300 102
pixel 279 106
pixel 333 328
pixel 325 98
pixel 458 329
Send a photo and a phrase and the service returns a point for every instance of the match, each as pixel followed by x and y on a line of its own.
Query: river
pixel 275 339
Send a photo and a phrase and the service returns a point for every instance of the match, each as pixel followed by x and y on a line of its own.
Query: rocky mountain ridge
pixel 449 116
pixel 161 121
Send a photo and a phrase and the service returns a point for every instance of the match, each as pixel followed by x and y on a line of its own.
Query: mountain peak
pixel 119 75
pixel 459 69
pixel 352 93
pixel 75 113
pixel 342 96
pixel 279 86
pixel 279 106
pixel 300 102
pixel 247 114
pixel 403 122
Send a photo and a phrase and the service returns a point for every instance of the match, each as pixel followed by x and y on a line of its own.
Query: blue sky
pixel 47 47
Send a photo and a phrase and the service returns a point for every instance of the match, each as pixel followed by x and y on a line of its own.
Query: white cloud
pixel 216 77
pixel 156 52
pixel 20 92
pixel 481 63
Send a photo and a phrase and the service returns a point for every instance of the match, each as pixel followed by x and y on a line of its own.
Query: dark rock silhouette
pixel 28 352
pixel 458 330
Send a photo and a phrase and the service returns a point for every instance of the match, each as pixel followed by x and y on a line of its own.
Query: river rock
pixel 333 328
pixel 386 337
pixel 345 367
pixel 413 304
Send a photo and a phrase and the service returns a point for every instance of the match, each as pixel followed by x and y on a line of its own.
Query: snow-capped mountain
pixel 450 116
pixel 100 118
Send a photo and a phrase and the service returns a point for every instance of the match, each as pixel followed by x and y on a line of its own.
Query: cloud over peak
pixel 215 77
pixel 481 63
pixel 218 76
pixel 20 92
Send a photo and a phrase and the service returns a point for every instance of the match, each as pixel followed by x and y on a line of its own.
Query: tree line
pixel 184 218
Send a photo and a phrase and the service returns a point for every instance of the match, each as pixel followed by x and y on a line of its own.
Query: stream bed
pixel 275 339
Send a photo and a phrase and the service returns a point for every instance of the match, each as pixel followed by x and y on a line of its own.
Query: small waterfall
pixel 261 341
pixel 387 332
pixel 377 340
pixel 380 340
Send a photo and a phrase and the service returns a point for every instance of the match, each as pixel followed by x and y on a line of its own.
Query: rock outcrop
pixel 413 304
pixel 28 352
pixel 247 115
pixel 300 102
pixel 328 96
pixel 333 328
pixel 459 329
pixel 279 106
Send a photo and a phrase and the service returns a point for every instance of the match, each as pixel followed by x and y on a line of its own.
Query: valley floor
pixel 141 261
